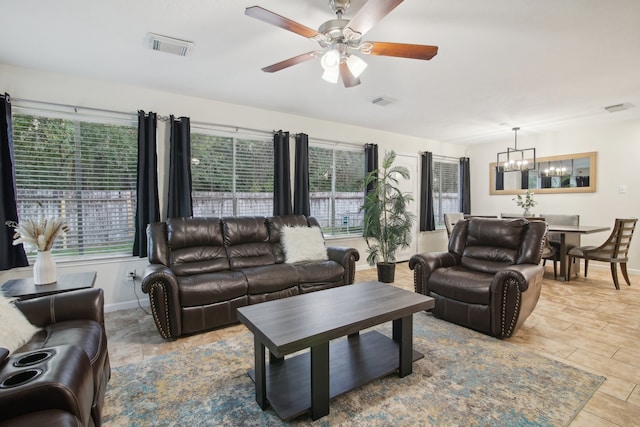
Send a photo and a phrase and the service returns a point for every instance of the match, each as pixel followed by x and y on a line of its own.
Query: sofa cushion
pixel 15 329
pixel 270 278
pixel 303 244
pixel 319 272
pixel 209 288
pixel 196 246
pixel 247 241
pixel 460 284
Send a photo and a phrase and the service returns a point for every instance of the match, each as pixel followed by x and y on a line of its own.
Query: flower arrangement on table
pixel 526 202
pixel 39 233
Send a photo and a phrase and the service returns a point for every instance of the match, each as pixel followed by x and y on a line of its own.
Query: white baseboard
pixel 126 305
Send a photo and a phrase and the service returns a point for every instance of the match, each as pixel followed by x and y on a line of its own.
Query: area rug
pixel 465 379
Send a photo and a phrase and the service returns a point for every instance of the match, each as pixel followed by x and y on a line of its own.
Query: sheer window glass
pixel 231 175
pixel 336 187
pixel 82 168
pixel 446 188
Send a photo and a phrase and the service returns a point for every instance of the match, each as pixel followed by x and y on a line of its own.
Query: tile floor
pixel 585 323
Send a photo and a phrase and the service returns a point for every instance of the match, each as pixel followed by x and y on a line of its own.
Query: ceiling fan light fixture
pixel 331 75
pixel 356 65
pixel 330 60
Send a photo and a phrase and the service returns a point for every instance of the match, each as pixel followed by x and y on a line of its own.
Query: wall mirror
pixel 569 173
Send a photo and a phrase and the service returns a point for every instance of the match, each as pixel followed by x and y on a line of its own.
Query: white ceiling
pixel 538 64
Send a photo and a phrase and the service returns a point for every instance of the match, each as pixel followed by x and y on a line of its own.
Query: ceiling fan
pixel 340 38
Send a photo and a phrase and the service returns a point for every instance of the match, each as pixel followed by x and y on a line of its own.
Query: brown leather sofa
pixel 60 376
pixel 203 269
pixel 489 280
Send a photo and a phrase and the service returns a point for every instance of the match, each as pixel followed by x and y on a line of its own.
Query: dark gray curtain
pixel 281 174
pixel 10 256
pixel 465 186
pixel 370 161
pixel 147 208
pixel 301 204
pixel 179 203
pixel 427 220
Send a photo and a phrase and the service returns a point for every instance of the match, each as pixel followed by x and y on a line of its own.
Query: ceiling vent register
pixel 170 45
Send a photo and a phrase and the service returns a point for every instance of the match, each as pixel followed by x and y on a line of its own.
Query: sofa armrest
pixel 423 264
pixel 162 286
pixel 514 294
pixel 83 304
pixel 346 257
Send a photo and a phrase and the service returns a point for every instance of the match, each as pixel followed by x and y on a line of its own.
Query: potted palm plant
pixel 387 220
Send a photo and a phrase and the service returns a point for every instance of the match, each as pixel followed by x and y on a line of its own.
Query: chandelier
pixel 515 159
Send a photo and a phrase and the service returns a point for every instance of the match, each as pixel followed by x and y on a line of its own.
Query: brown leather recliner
pixel 489 280
pixel 59 377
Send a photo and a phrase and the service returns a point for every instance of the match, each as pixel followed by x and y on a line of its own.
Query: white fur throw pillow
pixel 15 329
pixel 303 244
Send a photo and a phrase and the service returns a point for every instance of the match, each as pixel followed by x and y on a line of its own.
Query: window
pixel 446 188
pixel 82 168
pixel 231 175
pixel 336 186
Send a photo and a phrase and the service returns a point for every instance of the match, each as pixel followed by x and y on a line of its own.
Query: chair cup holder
pixel 21 377
pixel 33 358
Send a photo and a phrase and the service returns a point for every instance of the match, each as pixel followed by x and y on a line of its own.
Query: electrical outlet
pixel 132 274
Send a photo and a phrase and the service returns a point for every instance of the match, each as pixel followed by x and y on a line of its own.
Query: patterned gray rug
pixel 465 379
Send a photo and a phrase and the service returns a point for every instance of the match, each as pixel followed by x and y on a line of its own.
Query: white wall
pixel 618 163
pixel 43 86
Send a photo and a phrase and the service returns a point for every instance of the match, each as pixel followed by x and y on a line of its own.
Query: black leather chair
pixel 490 278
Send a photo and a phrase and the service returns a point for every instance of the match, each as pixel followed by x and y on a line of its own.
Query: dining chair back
pixel 571 239
pixel 615 250
pixel 450 220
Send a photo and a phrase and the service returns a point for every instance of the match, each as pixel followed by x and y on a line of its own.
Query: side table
pixel 26 289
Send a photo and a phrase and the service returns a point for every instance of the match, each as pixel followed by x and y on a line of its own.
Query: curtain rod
pixel 334 142
pixel 75 107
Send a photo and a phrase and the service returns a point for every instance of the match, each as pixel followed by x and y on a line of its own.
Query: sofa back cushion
pixel 196 245
pixel 492 244
pixel 247 241
pixel 276 224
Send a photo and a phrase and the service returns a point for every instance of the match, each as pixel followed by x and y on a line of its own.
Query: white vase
pixel 44 269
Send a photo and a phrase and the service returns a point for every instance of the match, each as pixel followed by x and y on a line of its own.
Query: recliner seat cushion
pixel 209 288
pixel 319 271
pixel 270 278
pixel 461 284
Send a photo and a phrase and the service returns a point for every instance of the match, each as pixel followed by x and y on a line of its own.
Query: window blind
pixel 336 186
pixel 446 188
pixel 82 169
pixel 231 175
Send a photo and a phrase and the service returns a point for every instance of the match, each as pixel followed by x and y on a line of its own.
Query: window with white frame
pixel 81 167
pixel 446 187
pixel 231 174
pixel 336 187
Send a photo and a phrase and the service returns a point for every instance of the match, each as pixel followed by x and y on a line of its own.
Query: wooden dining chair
pixel 614 250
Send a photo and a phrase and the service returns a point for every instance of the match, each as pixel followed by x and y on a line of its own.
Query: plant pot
pixel 386 272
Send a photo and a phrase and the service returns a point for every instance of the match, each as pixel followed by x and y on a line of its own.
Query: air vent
pixel 170 44
pixel 618 107
pixel 381 101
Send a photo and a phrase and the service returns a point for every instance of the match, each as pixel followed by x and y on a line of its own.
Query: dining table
pixel 565 230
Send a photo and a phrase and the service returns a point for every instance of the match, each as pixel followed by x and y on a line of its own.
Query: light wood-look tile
pixel 585 323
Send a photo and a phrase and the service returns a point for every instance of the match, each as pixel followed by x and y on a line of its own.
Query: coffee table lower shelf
pixel 353 362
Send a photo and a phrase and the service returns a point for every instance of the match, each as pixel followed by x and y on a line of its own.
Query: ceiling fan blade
pixel 282 22
pixel 348 78
pixel 370 14
pixel 289 62
pixel 400 50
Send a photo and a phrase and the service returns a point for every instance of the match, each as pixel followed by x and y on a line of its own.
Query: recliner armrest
pixel 423 265
pixel 161 284
pixel 346 257
pixel 83 304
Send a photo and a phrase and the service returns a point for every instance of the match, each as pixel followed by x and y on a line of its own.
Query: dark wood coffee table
pixel 308 380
